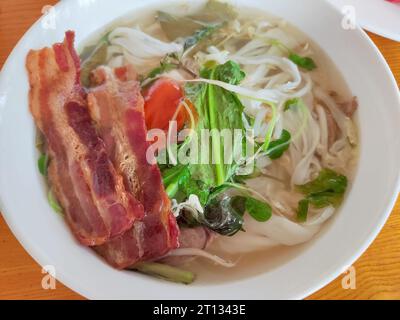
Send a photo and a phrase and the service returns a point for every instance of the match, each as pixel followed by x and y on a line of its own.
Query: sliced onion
pixel 201 253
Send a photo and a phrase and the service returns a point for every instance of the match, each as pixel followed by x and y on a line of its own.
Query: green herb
pixel 325 199
pixel 303 62
pixel 303 210
pixel 43 163
pixel 218 109
pixel 224 215
pixel 219 190
pixel 164 67
pixel 229 72
pixel 216 143
pixel 197 94
pixel 192 31
pixel 173 179
pixel 327 189
pixel 327 181
pixel 213 13
pixel 196 187
pixel 178 183
pixel 271 127
pixel 224 110
pixel 177 27
pixel 165 272
pixel 291 103
pixel 53 202
pixel 221 109
pixel 259 211
pixel 277 147
pixel 171 174
pixel 241 179
pixel 199 35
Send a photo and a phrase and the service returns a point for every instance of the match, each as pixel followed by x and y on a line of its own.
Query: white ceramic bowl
pixel 293 274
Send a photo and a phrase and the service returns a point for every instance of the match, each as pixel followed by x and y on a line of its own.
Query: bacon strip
pixel 93 195
pixel 116 105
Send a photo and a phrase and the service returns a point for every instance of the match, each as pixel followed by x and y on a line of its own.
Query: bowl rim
pixel 371 24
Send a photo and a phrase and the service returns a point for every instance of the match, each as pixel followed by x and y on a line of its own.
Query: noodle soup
pixel 212 68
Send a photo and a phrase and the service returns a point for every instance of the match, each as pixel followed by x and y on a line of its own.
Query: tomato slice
pixel 162 101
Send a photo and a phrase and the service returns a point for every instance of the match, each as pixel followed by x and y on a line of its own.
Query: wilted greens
pixel 218 109
pixel 43 163
pixel 327 189
pixel 303 62
pixel 53 202
pixel 165 272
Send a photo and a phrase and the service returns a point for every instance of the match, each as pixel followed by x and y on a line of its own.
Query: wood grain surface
pixel 377 271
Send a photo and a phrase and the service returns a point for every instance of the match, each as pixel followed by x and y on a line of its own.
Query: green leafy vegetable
pixel 218 190
pixel 241 179
pixel 201 26
pixel 224 215
pixel 196 93
pixel 222 110
pixel 291 103
pixel 277 147
pixel 303 210
pixel 260 211
pixel 271 127
pixel 327 189
pixel 327 181
pixel 192 31
pixel 179 184
pixel 177 27
pixel 229 72
pixel 164 67
pixel 325 199
pixel 196 187
pixel 53 202
pixel 171 174
pixel 213 13
pixel 199 35
pixel 165 272
pixel 303 62
pixel 43 163
pixel 218 109
pixel 174 177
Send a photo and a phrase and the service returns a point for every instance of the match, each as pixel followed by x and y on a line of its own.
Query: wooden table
pixel 378 270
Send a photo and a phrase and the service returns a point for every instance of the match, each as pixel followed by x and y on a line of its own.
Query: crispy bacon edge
pixel 116 105
pixel 95 201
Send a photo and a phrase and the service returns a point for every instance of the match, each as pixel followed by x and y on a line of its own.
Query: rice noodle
pixel 272 77
pixel 200 253
pixel 271 96
pixel 139 48
pixel 141 44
